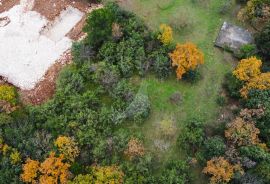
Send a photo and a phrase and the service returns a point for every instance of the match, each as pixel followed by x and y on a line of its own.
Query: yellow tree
pixel 221 170
pixel 99 175
pixel 30 171
pixel 68 147
pixel 242 133
pixel 260 82
pixel 186 57
pixel 52 170
pixel 248 69
pixel 166 34
pixel 134 149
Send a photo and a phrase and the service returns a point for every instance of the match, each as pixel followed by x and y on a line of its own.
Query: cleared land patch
pixel 26 53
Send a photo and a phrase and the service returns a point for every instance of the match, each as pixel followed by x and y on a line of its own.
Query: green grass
pixel 199 99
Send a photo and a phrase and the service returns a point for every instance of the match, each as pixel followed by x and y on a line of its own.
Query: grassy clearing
pixel 198 100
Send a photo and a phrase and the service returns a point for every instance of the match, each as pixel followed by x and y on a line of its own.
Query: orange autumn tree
pixel 248 68
pixel 135 148
pixel 30 171
pixel 166 34
pixel 186 57
pixel 221 170
pixel 249 71
pixel 52 170
pixel 260 82
pixel 68 147
pixel 242 133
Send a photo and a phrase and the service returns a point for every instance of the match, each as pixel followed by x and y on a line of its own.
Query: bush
pixel 247 51
pixel 139 108
pixel 263 170
pixel 175 171
pixel 123 90
pixel 192 76
pixel 8 94
pixel 99 26
pixel 192 136
pixel 258 98
pixel 255 153
pixel 70 81
pixel 161 64
pixel 262 40
pixel 107 75
pixel 233 85
pixel 214 147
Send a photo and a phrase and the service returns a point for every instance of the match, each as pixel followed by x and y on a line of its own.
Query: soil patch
pixel 52 8
pixel 45 88
pixel 7 4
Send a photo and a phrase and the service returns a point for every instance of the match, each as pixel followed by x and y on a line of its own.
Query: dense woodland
pixel 82 134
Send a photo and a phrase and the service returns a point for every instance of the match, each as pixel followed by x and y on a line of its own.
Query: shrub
pixel 255 153
pixel 8 94
pixel 263 170
pixel 240 132
pixel 99 26
pixel 123 90
pixel 166 34
pixel 221 170
pixel 161 64
pixel 247 51
pixel 248 69
pixel 214 147
pixel 107 75
pixel 70 82
pixel 139 108
pixel 192 136
pixel 262 40
pixel 176 171
pixel 68 147
pixel 233 85
pixel 192 76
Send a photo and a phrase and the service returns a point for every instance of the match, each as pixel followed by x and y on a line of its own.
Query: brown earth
pixel 7 4
pixel 45 89
pixel 52 8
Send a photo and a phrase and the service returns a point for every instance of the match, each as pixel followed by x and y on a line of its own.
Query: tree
pixel 248 69
pixel 263 170
pixel 68 147
pixel 52 170
pixel 134 148
pixel 99 26
pixel 101 174
pixel 262 40
pixel 192 135
pixel 220 169
pixel 30 171
pixel 166 34
pixel 240 132
pixel 255 9
pixel 8 94
pixel 214 146
pixel 260 82
pixel 176 171
pixel 139 108
pixel 186 57
pixel 15 157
